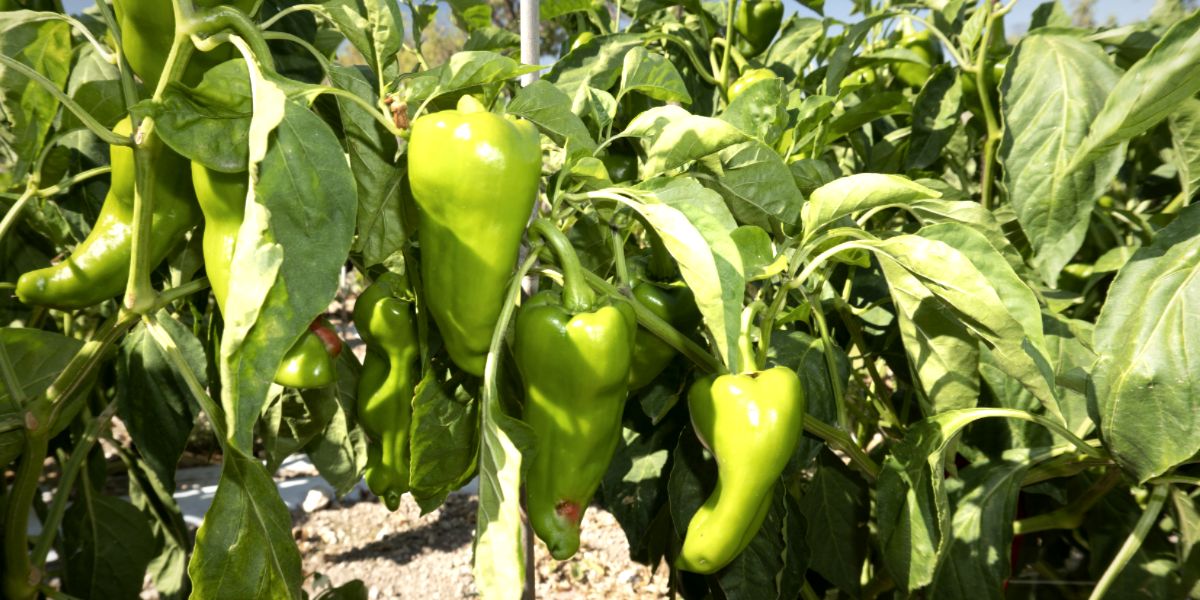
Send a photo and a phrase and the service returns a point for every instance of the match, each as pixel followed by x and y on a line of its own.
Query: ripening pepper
pixel 384 318
pixel 474 176
pixel 757 22
pixel 573 355
pixel 309 363
pixel 750 423
pixel 148 30
pixel 98 269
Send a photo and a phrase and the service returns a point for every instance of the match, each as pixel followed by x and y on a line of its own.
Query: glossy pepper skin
pixel 757 22
pixel 747 79
pixel 672 302
pixel 923 44
pixel 309 363
pixel 385 385
pixel 474 176
pixel 573 353
pixel 751 424
pixel 148 29
pixel 98 269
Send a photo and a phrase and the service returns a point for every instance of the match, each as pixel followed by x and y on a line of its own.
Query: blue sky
pixel 1125 11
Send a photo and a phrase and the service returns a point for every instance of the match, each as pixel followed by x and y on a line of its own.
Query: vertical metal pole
pixel 531 54
pixel 531 42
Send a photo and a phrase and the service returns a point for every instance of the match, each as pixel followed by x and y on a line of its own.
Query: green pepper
pixel 622 167
pixel 747 79
pixel 474 176
pixel 384 318
pixel 757 22
pixel 98 269
pixel 924 45
pixel 573 355
pixel 148 30
pixel 222 196
pixel 672 302
pixel 751 424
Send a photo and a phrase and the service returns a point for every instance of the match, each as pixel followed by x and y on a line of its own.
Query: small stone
pixel 315 500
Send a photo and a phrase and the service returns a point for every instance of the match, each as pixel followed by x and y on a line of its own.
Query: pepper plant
pixel 903 306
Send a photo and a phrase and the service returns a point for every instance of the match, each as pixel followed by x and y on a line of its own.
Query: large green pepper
pixel 309 362
pixel 148 30
pixel 751 424
pixel 573 355
pixel 385 385
pixel 98 269
pixel 924 45
pixel 474 176
pixel 757 22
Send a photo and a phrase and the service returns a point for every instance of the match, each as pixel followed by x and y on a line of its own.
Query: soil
pixel 405 555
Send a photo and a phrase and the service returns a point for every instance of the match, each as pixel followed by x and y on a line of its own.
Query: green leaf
pixel 773 564
pixel 375 29
pixel 936 115
pixel 836 506
pixel 107 544
pixel 596 64
pixel 244 548
pixel 857 193
pixel 339 452
pixel 552 9
pixel 694 225
pixel 154 401
pixel 37 357
pixel 686 138
pixel 1143 386
pixel 550 109
pixel 758 258
pixel 290 250
pixel 757 184
pixel 464 70
pixel 798 42
pixel 372 149
pixel 473 14
pixel 1147 93
pixel 1053 87
pixel 27 110
pixel 1185 139
pixel 760 110
pixel 651 74
pixel 171 536
pixel 635 485
pixel 444 442
pixel 209 123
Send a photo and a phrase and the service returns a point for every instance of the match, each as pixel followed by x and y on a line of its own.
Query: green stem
pixel 662 265
pixel 105 135
pixel 66 481
pixel 167 344
pixel 62 392
pixel 618 248
pixel 729 15
pixel 691 54
pixel 746 354
pixel 1157 498
pixel 14 211
pixel 993 127
pixel 64 186
pixel 20 577
pixel 839 396
pixel 314 8
pixel 218 19
pixel 841 441
pixel 660 328
pixel 1071 515
pixel 577 296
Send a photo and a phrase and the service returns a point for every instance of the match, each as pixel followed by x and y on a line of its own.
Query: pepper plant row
pixel 892 307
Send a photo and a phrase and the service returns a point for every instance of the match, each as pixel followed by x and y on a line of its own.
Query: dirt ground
pixel 405 555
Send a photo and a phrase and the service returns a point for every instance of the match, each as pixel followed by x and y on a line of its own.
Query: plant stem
pixel 105 135
pixel 14 211
pixel 746 356
pixel 841 441
pixel 577 296
pixel 167 344
pixel 1071 515
pixel 730 8
pixel 1157 498
pixel 20 578
pixel 987 182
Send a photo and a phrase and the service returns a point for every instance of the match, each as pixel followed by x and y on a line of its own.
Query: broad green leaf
pixel 551 9
pixel 472 14
pixel 758 257
pixel 976 559
pixel 1054 86
pixel 1147 93
pixel 595 106
pixel 596 64
pixel 550 109
pixel 37 357
pixel 290 250
pixel 799 40
pixel 651 74
pixel 836 506
pixel 155 403
pixel 1185 139
pixel 339 451
pixel 856 193
pixel 756 183
pixel 774 562
pixel 760 110
pixel 871 108
pixel 444 442
pixel 687 138
pixel 374 29
pixel 107 545
pixel 972 214
pixel 1144 385
pixel 1049 14
pixel 694 225
pixel 464 70
pixel 208 123
pixel 171 536
pixel 936 114
pixel 372 150
pixel 635 485
pixel 27 110
pixel 244 547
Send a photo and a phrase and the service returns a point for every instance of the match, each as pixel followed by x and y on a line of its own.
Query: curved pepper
pixel 672 302
pixel 222 196
pixel 474 176
pixel 757 22
pixel 385 385
pixel 148 30
pixel 98 269
pixel 751 424
pixel 574 356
